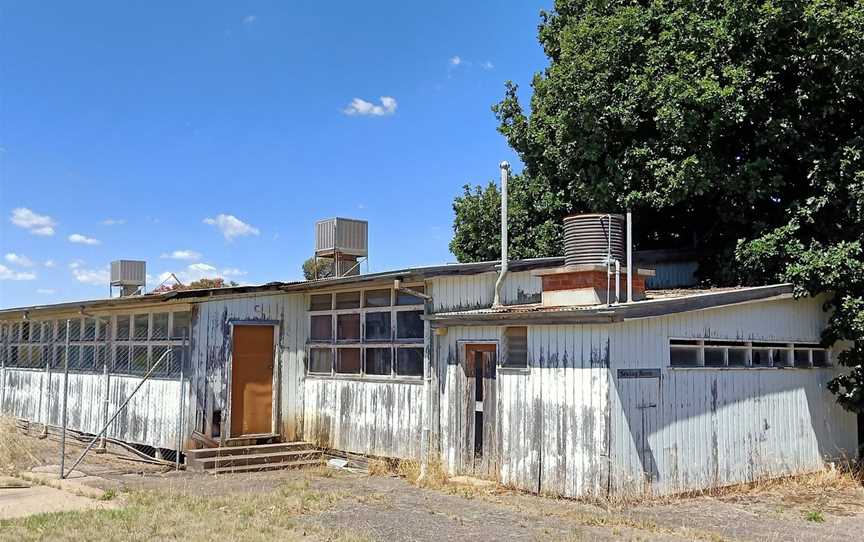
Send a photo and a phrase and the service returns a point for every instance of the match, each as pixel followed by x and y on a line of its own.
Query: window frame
pixel 785 348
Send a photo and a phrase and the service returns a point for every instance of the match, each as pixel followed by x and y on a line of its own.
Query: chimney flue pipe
pixel 505 173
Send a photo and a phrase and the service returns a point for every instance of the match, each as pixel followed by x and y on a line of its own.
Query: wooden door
pixel 640 401
pixel 252 380
pixel 481 434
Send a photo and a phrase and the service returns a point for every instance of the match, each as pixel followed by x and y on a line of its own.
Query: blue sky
pixel 206 139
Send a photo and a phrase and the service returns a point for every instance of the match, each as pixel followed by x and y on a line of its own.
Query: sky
pixel 207 138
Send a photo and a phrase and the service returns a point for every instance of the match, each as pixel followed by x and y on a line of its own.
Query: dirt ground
pixel 323 504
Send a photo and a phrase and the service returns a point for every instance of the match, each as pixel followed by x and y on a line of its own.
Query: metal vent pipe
pixel 505 173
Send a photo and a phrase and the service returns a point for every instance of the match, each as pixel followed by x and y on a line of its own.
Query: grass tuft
pixel 16 449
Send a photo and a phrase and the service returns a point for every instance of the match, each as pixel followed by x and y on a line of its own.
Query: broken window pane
pixel 403 298
pixel 348 327
pixel 409 361
pixel 378 326
pixel 320 360
pixel 683 356
pixel 409 325
pixel 348 361
pixel 379 361
pixel 761 357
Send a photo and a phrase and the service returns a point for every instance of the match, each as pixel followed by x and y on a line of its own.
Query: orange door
pixel 252 380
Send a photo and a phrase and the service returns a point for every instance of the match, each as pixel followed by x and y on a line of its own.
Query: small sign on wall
pixel 638 373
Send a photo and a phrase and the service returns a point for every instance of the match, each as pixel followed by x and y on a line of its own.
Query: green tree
pixel 732 126
pixel 317 268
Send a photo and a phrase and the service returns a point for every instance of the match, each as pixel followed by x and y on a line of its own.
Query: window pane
pixel 409 325
pixel 320 302
pixel 738 356
pixel 138 363
pixel 802 358
pixel 13 337
pixel 409 361
pixel 761 357
pixel 101 357
pixel 182 324
pixel 683 356
pixel 348 300
pixel 88 358
pixel 320 360
pixel 820 358
pixel 348 361
pixel 780 357
pixel 166 365
pixel 403 298
pixel 102 328
pixel 714 357
pixel 141 323
pixel 348 327
pixel 74 358
pixel 379 361
pixel 123 328
pixel 36 332
pixel 321 328
pixel 160 326
pixel 516 342
pixel 13 356
pixel 75 330
pixel 378 326
pixel 57 360
pixel 121 359
pixel 378 298
pixel 89 333
pixel 25 332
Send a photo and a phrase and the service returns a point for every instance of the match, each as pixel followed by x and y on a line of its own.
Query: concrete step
pixel 265 466
pixel 207 463
pixel 202 453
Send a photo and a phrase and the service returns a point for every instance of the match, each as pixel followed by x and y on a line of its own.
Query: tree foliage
pixel 200 284
pixel 317 268
pixel 732 126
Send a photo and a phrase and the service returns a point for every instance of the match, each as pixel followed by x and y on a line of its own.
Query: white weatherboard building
pixel 676 391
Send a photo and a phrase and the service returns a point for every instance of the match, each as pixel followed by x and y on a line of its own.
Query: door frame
pixel 491 450
pixel 229 384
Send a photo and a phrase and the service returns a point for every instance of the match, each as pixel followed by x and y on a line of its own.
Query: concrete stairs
pixel 253 457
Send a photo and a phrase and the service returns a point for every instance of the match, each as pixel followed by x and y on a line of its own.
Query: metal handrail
pixel 119 410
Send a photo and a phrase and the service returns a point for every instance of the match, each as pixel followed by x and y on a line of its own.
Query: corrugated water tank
pixel 341 236
pixel 588 239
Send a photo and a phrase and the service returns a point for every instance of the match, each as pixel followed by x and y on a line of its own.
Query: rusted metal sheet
pixel 150 418
pixel 372 418
pixel 469 292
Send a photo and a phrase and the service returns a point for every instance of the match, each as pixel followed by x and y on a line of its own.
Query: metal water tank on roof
pixel 589 239
pixel 343 236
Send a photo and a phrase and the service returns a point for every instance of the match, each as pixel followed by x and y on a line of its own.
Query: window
pixel 75 330
pixel 738 357
pixel 123 328
pixel 320 360
pixel 102 329
pixel 409 325
pixel 36 332
pixel 801 358
pixel 139 363
pixel 347 300
pixel 409 361
pixel 516 347
pixel 25 332
pixel 761 357
pixel 160 326
pixel 378 326
pixel 403 298
pixel 820 357
pixel 348 327
pixel 361 328
pixel 182 324
pixel 684 353
pixel 89 330
pixel 379 361
pixel 320 302
pixel 141 324
pixel 348 361
pixel 377 298
pixel 322 328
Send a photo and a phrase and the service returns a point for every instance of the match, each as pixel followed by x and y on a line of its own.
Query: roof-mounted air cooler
pixel 129 275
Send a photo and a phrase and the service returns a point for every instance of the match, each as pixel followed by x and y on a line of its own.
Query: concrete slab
pixel 27 501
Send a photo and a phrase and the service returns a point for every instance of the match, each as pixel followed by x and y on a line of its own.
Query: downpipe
pixel 505 174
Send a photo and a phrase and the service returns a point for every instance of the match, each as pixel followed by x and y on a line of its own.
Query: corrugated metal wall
pixel 211 349
pixel 374 418
pixel 151 418
pixel 467 292
pixel 715 427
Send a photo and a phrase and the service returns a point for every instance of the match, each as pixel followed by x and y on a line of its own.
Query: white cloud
pixel 94 277
pixel 75 264
pixel 487 65
pixel 231 226
pixel 250 19
pixel 19 259
pixel 8 274
pixel 49 263
pixel 362 107
pixel 185 255
pixel 232 272
pixel 198 271
pixel 455 60
pixel 83 239
pixel 113 221
pixel 45 291
pixel 34 223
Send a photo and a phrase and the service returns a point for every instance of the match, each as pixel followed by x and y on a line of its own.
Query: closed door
pixel 640 400
pixel 252 380
pixel 481 436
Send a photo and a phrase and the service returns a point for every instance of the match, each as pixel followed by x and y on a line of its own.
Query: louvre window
pixel 755 354
pixel 516 347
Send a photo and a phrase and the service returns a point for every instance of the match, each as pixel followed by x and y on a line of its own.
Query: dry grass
pixel 17 451
pixel 160 515
pixel 436 477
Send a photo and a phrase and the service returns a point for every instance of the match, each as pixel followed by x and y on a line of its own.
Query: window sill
pixel 513 370
pixel 742 368
pixel 416 380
